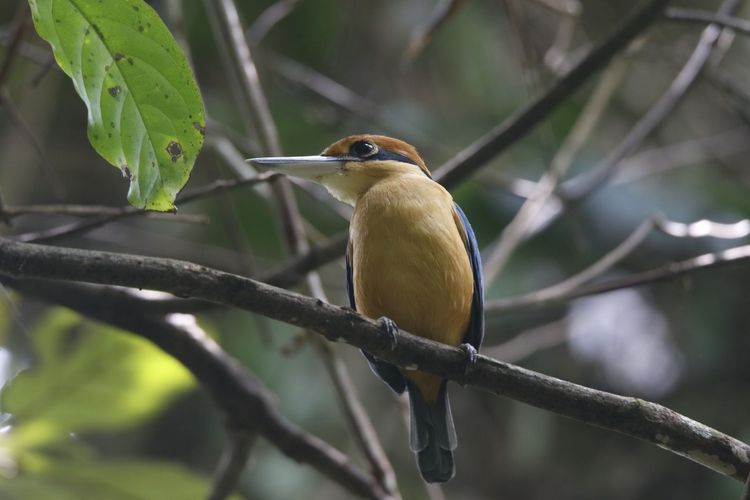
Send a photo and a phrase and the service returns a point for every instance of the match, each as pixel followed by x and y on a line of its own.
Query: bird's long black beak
pixel 306 167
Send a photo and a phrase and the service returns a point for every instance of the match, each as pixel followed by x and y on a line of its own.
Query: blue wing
pixel 386 371
pixel 475 332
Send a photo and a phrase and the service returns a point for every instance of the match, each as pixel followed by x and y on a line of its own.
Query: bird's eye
pixel 363 149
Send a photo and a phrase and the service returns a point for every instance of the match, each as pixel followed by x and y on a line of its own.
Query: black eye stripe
pixel 390 155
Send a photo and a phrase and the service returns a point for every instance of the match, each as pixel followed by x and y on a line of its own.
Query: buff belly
pixel 410 264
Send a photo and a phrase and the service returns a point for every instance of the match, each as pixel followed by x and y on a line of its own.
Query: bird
pixel 412 262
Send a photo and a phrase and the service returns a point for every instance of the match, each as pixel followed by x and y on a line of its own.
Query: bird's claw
pixel 471 356
pixel 389 328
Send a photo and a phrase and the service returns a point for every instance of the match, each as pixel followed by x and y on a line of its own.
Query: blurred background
pixel 332 68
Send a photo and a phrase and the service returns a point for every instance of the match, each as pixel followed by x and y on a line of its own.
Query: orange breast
pixel 410 264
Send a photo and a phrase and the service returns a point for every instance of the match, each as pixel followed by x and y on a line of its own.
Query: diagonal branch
pixel 631 416
pixel 521 123
pixel 574 286
pixel 673 270
pixel 583 185
pixel 706 17
pixel 247 404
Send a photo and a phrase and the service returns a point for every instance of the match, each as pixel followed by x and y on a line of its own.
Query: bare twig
pixel 557 55
pixel 574 287
pixel 344 98
pixel 586 183
pixel 598 268
pixel 634 417
pixel 661 159
pixel 516 231
pixel 522 122
pixel 269 18
pixel 232 462
pixel 20 20
pixel 424 32
pixel 13 211
pixel 746 490
pixel 527 343
pixel 74 228
pixel 706 17
pixel 294 271
pixel 565 7
pixel 364 431
pixel 28 133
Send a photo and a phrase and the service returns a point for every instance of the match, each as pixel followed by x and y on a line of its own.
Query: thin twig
pixel 423 33
pixel 345 98
pixel 20 20
pixel 565 7
pixel 522 122
pixel 294 271
pixel 268 19
pixel 597 269
pixel 746 490
pixel 634 417
pixel 232 462
pixel 529 342
pixel 74 228
pixel 13 211
pixel 574 287
pixel 583 185
pixel 661 159
pixel 516 231
pixel 51 176
pixel 706 17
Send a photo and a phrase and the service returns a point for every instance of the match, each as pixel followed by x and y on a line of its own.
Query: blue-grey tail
pixel 432 436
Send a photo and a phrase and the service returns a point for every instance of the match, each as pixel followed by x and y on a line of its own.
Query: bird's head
pixel 352 165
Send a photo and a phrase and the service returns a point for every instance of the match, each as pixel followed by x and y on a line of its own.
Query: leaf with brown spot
pixel 137 85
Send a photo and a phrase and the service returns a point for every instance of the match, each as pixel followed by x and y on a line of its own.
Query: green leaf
pixel 145 113
pixel 88 377
pixel 43 477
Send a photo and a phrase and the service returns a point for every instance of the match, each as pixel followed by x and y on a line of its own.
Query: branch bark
pixel 631 416
pixel 246 403
pixel 522 122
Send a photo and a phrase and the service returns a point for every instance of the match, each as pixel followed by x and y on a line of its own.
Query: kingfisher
pixel 412 260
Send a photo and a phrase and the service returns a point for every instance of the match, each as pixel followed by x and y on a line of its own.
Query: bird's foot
pixel 389 328
pixel 471 356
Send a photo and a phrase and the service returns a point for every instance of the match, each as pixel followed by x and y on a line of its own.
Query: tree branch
pixel 521 123
pixel 247 404
pixel 586 183
pixel 631 416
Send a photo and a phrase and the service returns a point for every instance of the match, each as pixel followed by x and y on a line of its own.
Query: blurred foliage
pixel 682 343
pixel 87 378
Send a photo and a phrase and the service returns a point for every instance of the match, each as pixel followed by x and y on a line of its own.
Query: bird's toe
pixel 471 356
pixel 390 328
